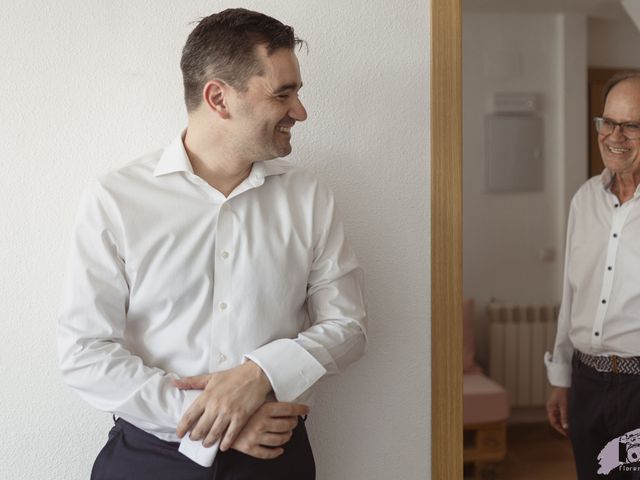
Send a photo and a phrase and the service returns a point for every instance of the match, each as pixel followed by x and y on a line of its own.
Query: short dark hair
pixel 619 77
pixel 223 46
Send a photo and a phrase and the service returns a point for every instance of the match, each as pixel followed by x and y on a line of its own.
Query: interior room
pixel 532 78
pixel 90 85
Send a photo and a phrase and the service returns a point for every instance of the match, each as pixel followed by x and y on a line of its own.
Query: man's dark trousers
pixel 602 407
pixel 133 454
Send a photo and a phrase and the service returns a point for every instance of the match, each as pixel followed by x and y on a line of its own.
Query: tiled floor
pixel 535 452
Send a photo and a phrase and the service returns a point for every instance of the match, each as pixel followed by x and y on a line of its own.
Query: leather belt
pixel 611 364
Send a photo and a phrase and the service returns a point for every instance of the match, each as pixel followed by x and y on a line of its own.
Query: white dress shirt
pixel 600 311
pixel 168 278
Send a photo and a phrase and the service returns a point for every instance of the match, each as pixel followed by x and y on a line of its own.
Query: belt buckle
pixel 614 364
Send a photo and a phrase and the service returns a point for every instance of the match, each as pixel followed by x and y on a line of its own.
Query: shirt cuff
pixel 289 367
pixel 559 374
pixel 194 450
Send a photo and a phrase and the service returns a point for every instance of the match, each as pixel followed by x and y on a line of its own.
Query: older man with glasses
pixel 595 366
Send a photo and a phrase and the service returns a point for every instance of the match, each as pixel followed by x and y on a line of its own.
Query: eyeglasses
pixel 606 126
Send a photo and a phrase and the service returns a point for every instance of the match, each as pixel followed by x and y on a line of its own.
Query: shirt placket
pixel 619 216
pixel 222 290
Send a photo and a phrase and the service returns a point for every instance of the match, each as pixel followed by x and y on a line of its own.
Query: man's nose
pixel 298 112
pixel 617 132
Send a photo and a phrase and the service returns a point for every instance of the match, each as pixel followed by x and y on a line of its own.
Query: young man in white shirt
pixel 211 278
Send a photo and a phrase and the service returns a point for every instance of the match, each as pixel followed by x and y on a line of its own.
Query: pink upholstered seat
pixel 484 400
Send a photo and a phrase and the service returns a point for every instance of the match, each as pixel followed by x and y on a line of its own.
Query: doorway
pixel 517 62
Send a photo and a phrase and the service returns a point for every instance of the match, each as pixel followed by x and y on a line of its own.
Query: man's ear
pixel 214 97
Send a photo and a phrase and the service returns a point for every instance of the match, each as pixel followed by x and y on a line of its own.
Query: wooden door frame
pixel 446 240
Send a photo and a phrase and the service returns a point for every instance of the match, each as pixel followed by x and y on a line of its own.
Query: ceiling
pixel 602 9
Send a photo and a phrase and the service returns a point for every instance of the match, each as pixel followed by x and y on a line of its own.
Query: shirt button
pixel 604 301
pixel 224 254
pixel 615 235
pixel 609 268
pixel 221 357
pixel 597 334
pixel 616 205
pixel 223 306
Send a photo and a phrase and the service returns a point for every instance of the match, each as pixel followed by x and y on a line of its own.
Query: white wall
pixel 572 91
pixel 89 85
pixel 505 233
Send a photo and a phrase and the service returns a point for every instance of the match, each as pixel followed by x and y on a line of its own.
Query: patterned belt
pixel 612 364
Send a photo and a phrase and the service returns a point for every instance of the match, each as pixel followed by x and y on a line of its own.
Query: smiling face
pixel 264 114
pixel 620 154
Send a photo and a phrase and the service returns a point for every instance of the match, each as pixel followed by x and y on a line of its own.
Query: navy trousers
pixel 602 407
pixel 133 454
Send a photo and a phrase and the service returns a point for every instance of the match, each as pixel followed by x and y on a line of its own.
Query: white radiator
pixel 519 336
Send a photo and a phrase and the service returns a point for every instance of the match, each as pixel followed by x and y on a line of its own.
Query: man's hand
pixel 268 429
pixel 229 399
pixel 557 410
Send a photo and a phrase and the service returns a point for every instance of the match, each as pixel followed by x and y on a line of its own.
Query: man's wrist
pixel 260 377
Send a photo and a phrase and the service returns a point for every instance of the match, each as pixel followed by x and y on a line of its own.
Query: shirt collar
pixel 174 159
pixel 606 177
pixel 276 166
